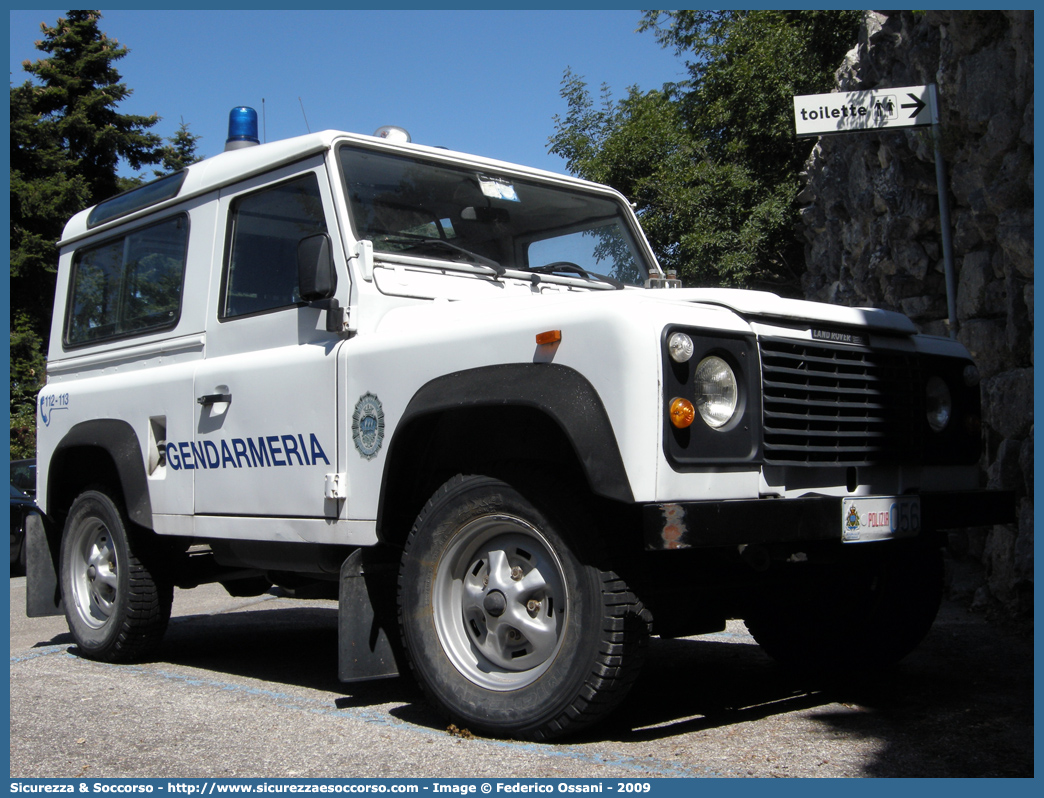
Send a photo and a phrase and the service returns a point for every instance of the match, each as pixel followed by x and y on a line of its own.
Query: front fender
pixel 561 393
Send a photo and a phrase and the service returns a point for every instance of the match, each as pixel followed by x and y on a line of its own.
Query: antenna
pixel 304 115
pixel 264 122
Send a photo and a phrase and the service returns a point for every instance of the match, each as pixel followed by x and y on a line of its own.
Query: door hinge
pixel 337 486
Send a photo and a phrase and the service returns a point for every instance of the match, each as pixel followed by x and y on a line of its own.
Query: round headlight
pixel 717 393
pixel 938 403
pixel 680 347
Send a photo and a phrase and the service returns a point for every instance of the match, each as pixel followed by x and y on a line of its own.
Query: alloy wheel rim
pixel 500 602
pixel 94 574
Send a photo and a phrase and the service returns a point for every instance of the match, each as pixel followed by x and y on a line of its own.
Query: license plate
pixel 870 518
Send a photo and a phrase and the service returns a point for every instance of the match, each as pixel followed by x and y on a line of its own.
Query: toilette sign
pixel 854 111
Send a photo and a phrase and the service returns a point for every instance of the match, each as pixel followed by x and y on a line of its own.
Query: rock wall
pixel 870 219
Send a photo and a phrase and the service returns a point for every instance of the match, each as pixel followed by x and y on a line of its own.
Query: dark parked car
pixel 21 505
pixel 23 476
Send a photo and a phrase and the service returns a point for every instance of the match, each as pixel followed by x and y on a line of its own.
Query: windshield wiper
pixel 563 266
pixel 481 260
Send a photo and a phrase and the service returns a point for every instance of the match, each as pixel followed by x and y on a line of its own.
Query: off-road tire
pixel 861 615
pixel 555 652
pixel 117 603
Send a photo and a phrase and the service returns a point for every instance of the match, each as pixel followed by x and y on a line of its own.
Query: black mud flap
pixel 43 596
pixel 367 627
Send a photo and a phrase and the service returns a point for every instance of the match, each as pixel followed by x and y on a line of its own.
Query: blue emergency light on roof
pixel 242 128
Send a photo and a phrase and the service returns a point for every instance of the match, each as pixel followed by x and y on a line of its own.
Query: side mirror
pixel 317 279
pixel 316 275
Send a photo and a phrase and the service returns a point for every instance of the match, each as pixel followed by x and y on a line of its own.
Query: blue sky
pixel 485 82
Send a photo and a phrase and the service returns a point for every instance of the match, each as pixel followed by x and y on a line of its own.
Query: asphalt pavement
pixel 247 688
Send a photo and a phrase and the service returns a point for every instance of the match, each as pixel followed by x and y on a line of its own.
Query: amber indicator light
pixel 549 337
pixel 683 413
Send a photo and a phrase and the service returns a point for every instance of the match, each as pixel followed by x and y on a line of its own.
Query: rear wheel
pixel 509 626
pixel 117 606
pixel 852 616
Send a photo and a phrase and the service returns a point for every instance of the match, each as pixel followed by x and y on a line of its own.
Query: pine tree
pixel 80 92
pixel 45 190
pixel 67 142
pixel 179 152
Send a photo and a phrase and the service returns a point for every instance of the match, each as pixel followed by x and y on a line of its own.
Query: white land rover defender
pixel 460 397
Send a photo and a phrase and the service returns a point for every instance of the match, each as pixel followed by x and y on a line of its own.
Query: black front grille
pixel 839 405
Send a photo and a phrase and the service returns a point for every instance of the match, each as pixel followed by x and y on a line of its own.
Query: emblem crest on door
pixel 368 426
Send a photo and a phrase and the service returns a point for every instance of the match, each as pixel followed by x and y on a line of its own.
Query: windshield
pixel 426 209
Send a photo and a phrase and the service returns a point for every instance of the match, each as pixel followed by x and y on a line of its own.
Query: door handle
pixel 214 398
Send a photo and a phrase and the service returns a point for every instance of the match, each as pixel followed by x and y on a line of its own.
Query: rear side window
pixel 129 285
pixel 266 228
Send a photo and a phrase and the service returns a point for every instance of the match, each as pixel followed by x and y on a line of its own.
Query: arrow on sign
pixel 918 104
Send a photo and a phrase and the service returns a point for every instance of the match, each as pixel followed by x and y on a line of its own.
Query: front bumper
pixel 686 525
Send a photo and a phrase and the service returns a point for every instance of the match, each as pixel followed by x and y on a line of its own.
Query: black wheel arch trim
pixel 118 439
pixel 560 392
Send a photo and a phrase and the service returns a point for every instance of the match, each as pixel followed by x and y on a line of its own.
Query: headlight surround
pixel 938 403
pixel 717 391
pixel 723 404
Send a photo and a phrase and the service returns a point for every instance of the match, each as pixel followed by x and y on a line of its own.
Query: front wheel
pixel 116 606
pixel 509 626
pixel 856 615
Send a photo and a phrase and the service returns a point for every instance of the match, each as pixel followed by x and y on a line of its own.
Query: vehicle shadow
pixel 959 706
pixel 694 684
pixel 57 640
pixel 292 646
pixel 686 685
pixel 297 646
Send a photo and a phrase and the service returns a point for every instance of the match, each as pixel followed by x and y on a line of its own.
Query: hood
pixel 763 306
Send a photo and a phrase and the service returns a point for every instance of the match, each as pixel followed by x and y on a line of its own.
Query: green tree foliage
pixel 178 152
pixel 67 141
pixel 27 373
pixel 712 162
pixel 45 190
pixel 78 93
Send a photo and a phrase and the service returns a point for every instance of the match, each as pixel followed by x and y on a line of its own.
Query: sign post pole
pixel 944 215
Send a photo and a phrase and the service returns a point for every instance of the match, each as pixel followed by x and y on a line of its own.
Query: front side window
pixel 129 285
pixel 413 207
pixel 266 228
